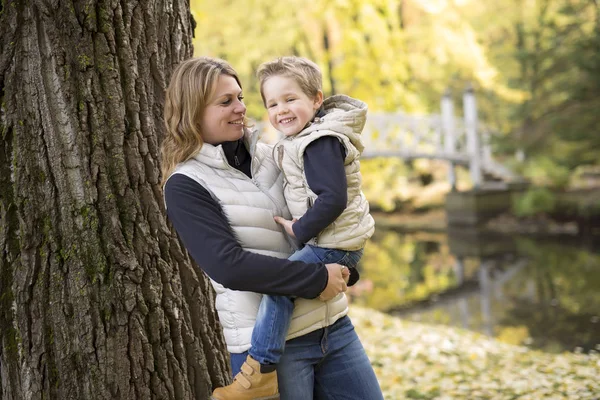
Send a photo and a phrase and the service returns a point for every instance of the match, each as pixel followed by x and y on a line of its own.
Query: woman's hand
pixel 287 224
pixel 338 276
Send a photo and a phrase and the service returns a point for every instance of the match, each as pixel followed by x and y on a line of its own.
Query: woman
pixel 222 191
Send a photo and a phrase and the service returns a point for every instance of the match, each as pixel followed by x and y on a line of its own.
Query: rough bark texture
pixel 98 298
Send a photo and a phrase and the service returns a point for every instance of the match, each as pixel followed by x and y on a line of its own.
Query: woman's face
pixel 223 119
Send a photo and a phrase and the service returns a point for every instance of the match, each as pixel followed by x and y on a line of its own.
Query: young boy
pixel 319 158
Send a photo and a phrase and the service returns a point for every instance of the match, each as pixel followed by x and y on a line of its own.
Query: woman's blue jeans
pixel 328 363
pixel 275 312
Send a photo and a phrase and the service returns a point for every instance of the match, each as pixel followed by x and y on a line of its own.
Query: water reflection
pixel 540 293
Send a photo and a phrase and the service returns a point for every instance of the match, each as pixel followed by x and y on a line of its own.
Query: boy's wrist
pixel 299 234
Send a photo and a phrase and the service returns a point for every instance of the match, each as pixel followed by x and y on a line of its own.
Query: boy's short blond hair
pixel 306 73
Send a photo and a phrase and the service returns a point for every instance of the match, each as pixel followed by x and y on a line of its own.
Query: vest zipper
pixel 279 211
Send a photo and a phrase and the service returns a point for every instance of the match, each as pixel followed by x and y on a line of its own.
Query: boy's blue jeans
pixel 275 312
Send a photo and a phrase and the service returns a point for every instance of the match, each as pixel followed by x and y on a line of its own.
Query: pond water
pixel 542 293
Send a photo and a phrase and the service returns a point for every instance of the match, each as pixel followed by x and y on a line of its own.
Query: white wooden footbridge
pixel 439 136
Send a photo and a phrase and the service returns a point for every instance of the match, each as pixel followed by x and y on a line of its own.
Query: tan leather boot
pixel 250 384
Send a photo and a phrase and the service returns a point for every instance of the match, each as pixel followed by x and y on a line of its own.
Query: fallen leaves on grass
pixel 419 361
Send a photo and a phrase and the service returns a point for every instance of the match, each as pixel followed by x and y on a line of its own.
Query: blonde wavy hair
pixel 306 73
pixel 192 85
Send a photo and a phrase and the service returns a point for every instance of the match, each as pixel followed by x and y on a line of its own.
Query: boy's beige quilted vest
pixel 344 119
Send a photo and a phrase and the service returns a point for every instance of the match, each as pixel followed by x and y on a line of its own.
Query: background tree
pixel 400 54
pixel 549 49
pixel 98 298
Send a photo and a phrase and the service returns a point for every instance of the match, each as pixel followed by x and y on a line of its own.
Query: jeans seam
pixel 317 365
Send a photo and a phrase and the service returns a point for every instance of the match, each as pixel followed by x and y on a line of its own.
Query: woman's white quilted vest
pixel 250 205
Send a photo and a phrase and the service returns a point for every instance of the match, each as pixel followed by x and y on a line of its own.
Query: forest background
pixel 534 64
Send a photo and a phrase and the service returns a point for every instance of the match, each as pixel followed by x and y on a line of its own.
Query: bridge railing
pixel 412 136
pixel 442 136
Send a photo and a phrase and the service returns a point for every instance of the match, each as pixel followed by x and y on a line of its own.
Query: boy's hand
pixel 287 224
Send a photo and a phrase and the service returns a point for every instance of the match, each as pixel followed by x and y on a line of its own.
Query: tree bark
pixel 98 298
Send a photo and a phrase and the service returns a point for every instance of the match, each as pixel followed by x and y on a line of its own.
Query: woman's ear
pixel 318 100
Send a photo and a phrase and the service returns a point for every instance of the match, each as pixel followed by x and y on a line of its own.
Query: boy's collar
pixel 320 113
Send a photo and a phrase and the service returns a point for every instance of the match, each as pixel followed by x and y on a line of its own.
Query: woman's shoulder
pixel 264 147
pixel 179 182
pixel 263 152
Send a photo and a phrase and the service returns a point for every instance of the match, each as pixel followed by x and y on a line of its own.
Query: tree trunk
pixel 329 55
pixel 98 299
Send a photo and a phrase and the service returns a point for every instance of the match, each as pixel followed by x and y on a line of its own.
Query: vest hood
pixel 343 115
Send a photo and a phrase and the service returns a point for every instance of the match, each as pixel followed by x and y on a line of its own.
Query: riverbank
pixel 538 212
pixel 419 361
pixel 435 221
pixel 431 221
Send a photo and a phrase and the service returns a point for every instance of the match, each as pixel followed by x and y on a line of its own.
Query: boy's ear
pixel 318 100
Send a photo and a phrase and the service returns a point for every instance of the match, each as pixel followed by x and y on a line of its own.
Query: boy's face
pixel 289 108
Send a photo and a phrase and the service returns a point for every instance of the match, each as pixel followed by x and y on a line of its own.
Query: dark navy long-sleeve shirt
pixel 326 177
pixel 208 237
